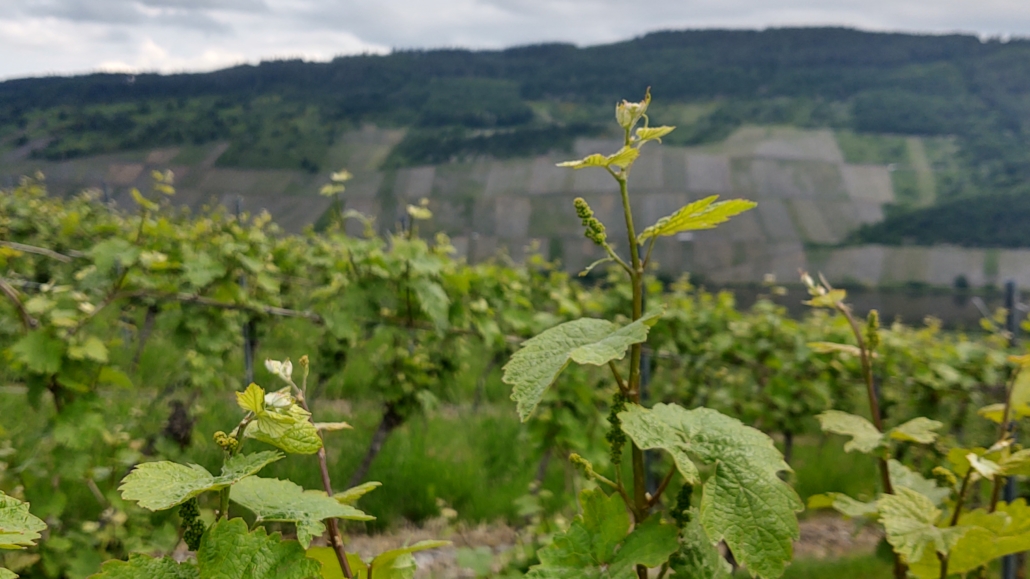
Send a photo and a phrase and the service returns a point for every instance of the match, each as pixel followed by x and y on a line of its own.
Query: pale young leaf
pixel 920 430
pixel 7 574
pixel 865 438
pixel 645 134
pixel 332 426
pixel 990 536
pixel 833 348
pixel 830 299
pixel 902 476
pixel 701 214
pixel 910 522
pixel 18 527
pixel 351 495
pixel 252 399
pixel 987 469
pixel 843 504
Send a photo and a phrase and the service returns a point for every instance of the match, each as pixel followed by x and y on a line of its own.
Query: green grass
pixel 821 467
pixel 872 149
pixel 854 567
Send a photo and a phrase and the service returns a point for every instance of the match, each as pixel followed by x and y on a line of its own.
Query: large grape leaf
pixel 278 500
pixel 162 485
pixel 701 214
pixel 141 566
pixel 18 527
pixel 536 366
pixel 865 437
pixel 910 521
pixel 228 551
pixel 599 543
pixel 990 536
pixel 744 501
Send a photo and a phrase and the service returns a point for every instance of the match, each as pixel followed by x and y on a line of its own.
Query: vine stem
pixel 641 506
pixel 954 518
pixel 1003 433
pixel 335 538
pixel 900 569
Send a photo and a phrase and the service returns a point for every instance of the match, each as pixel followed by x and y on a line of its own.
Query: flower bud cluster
pixel 192 526
pixel 872 327
pixel 228 443
pixel 595 230
pixel 681 512
pixel 616 437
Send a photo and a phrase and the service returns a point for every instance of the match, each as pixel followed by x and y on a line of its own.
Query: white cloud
pixel 69 36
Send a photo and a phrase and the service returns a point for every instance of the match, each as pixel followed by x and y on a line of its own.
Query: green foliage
pixel 18 527
pixel 162 485
pixel 760 531
pixel 283 501
pixel 535 367
pixel 597 543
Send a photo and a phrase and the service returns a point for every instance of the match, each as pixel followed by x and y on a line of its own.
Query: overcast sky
pixel 39 37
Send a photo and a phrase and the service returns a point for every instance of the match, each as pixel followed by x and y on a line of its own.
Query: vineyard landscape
pixel 476 322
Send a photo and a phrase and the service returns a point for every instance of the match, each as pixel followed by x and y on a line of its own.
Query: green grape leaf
pixel 40 352
pixel 252 399
pixel 919 430
pixel 744 501
pixel 536 366
pixel 910 521
pixel 599 543
pixel 141 566
pixel 92 348
pixel 433 300
pixel 1016 464
pixel 291 431
pixel 331 565
pixel 398 563
pixel 228 551
pixel 833 347
pixel 18 527
pixel 7 574
pixel 650 544
pixel 843 504
pixel 1019 402
pixel 865 438
pixel 645 134
pixel 701 214
pixel 990 536
pixel 284 501
pixel 114 251
pixel 162 485
pixel 351 495
pixel 595 160
pixel 902 476
pixel 699 557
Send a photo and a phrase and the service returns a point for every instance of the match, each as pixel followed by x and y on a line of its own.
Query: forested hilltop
pixel 526 101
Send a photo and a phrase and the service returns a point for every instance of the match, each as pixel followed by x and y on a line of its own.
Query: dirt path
pixel 822 537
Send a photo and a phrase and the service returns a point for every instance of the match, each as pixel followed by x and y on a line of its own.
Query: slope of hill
pixel 833 130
